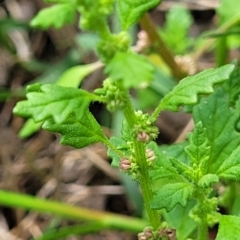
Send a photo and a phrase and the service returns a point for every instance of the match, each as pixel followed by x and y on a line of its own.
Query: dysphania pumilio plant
pixel 209 156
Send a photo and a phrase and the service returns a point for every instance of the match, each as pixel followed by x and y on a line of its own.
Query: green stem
pixel 202 231
pixel 156 112
pixel 202 199
pixel 221 51
pixel 161 48
pixel 144 179
pixel 106 220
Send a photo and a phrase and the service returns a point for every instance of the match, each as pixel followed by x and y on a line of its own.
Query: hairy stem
pixel 160 46
pixel 203 211
pixel 202 231
pixel 156 112
pixel 111 146
pixel 144 179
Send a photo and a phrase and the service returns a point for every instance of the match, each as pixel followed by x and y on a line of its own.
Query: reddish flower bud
pixel 125 164
pixel 143 137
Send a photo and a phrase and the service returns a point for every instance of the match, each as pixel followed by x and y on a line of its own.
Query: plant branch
pixel 111 146
pixel 144 179
pixel 160 46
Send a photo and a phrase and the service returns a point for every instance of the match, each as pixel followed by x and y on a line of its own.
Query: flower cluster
pixel 162 232
pixel 113 94
pixel 144 130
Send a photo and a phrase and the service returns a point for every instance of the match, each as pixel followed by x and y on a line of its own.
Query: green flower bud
pixel 100 91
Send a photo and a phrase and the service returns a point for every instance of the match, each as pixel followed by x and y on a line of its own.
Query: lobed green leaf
pixel 55 16
pixel 134 70
pixel 172 194
pixel 79 133
pixel 219 120
pixel 198 149
pixel 228 228
pixel 230 168
pixel 130 11
pixel 186 92
pixel 52 101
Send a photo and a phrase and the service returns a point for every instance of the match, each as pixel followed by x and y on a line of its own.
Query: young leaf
pixel 182 169
pixel 228 228
pixel 75 75
pixel 207 180
pixel 186 91
pixel 54 16
pixel 175 31
pixel 29 128
pixel 230 168
pixel 134 70
pixel 198 149
pixel 52 101
pixel 77 133
pixel 219 120
pixel 172 194
pixel 130 11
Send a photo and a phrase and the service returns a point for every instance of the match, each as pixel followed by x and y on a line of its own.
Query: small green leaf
pixel 198 149
pixel 172 194
pixel 54 16
pixel 130 11
pixel 29 128
pixel 75 75
pixel 52 101
pixel 182 169
pixel 207 180
pixel 77 133
pixel 230 168
pixel 134 70
pixel 186 92
pixel 175 31
pixel 228 228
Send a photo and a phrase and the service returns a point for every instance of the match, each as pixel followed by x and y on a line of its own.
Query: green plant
pixel 209 157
